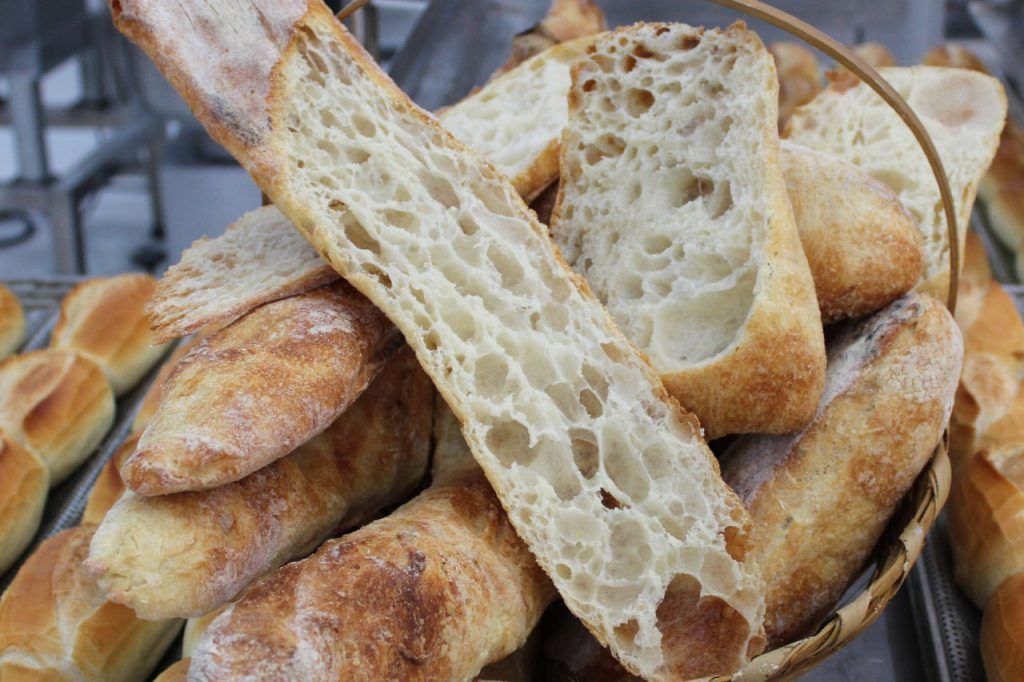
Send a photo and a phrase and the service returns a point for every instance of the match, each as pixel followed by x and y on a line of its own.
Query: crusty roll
pixel 799 76
pixel 108 486
pixel 820 499
pixel 986 521
pixel 951 54
pixel 24 481
pixel 57 404
pixel 103 319
pixel 434 591
pixel 259 388
pixel 175 673
pixel 1002 632
pixel 1002 192
pixel 188 553
pixel 863 247
pixel 55 624
pixel 12 322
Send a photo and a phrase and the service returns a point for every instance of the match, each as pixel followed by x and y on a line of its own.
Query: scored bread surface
pixel 604 477
pixel 672 205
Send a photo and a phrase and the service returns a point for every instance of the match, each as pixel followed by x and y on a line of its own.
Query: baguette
pixel 186 554
pixel 799 77
pixel 259 388
pixel 12 322
pixel 963 113
pixel 435 591
pixel 103 320
pixel 1002 193
pixel 155 394
pixel 56 625
pixel 696 255
pixel 24 481
pixel 57 405
pixel 863 248
pixel 527 358
pixel 889 391
pixel 986 521
pixel 1002 632
pixel 109 486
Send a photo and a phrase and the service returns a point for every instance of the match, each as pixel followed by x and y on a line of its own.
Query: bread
pixel 515 343
pixel 194 629
pixel 186 554
pixel 689 239
pixel 259 388
pixel 23 485
pixel 544 204
pixel 1002 632
pixel 986 521
pixel 820 499
pixel 975 280
pixel 175 673
pixel 435 591
pixel 963 113
pixel 56 625
pixel 953 55
pixel 12 322
pixel 257 260
pixel 155 393
pixel 103 320
pixel 799 76
pixel 877 57
pixel 56 404
pixel 863 248
pixel 565 20
pixel 522 114
pixel 1002 193
pixel 109 486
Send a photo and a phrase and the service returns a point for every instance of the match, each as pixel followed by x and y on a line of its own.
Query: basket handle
pixel 842 54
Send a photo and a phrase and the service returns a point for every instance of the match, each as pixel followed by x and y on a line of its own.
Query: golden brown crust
pixel 175 673
pixel 799 77
pixel 109 485
pixel 24 481
pixel 1002 191
pixel 876 55
pixel 565 20
pixel 1002 632
pixel 887 398
pixel 12 322
pixel 254 391
pixel 953 55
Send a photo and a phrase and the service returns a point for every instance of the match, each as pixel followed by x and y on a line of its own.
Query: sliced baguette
pixel 672 205
pixel 863 247
pixel 601 473
pixel 963 112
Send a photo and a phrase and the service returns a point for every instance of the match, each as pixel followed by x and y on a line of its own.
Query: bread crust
pixel 57 404
pixel 24 481
pixel 276 377
pixel 888 396
pixel 12 322
pixel 1002 191
pixel 185 554
pixel 109 486
pixel 799 77
pixel 1002 632
pixel 55 623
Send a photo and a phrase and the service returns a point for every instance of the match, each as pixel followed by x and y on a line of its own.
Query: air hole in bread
pixel 510 442
pixel 589 85
pixel 628 64
pixel 363 125
pixel 609 501
pixel 638 101
pixel 585 454
pixel 378 275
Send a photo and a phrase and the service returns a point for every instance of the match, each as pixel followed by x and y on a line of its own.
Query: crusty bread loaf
pixel 55 624
pixel 604 477
pixel 175 673
pixel 953 55
pixel 877 57
pixel 24 481
pixel 986 521
pixel 975 280
pixel 1002 192
pixel 155 394
pixel 104 320
pixel 109 486
pixel 189 553
pixel 688 238
pixel 1002 632
pixel 863 248
pixel 57 404
pixel 257 389
pixel 12 322
pixel 963 112
pixel 820 499
pixel 435 591
pixel 799 76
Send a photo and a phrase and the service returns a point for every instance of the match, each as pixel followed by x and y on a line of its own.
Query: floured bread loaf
pixel 672 205
pixel 963 112
pixel 604 477
pixel 12 322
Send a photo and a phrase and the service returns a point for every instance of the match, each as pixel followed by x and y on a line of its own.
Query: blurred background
pixel 103 169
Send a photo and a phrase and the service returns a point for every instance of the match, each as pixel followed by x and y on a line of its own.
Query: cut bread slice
pixel 672 205
pixel 963 112
pixel 863 247
pixel 606 479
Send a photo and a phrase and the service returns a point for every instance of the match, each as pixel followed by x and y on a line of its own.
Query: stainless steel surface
pixel 27 119
pixel 1003 25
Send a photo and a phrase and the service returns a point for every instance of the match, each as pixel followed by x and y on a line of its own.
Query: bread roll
pixel 820 499
pixel 175 673
pixel 986 521
pixel 103 319
pixel 588 454
pixel 109 486
pixel 259 388
pixel 57 404
pixel 696 254
pixel 565 20
pixel 863 248
pixel 12 322
pixel 186 554
pixel 962 111
pixel 953 55
pixel 799 76
pixel 23 485
pixel 55 624
pixel 435 591
pixel 1002 632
